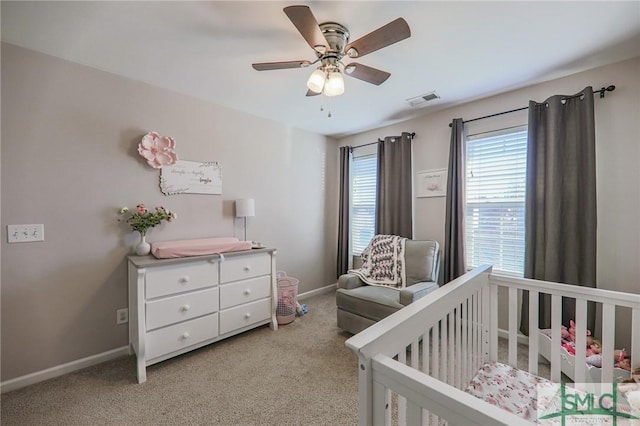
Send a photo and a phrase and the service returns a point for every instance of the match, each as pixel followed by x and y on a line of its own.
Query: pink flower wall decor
pixel 158 150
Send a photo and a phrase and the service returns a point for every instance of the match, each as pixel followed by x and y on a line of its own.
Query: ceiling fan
pixel 330 42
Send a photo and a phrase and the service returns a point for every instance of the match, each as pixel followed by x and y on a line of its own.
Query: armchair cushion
pixel 349 281
pixel 416 291
pixel 369 301
pixel 421 261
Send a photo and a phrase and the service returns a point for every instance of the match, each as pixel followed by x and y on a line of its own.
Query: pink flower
pixel 142 209
pixel 158 150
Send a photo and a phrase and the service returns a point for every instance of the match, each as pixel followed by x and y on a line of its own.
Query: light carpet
pixel 301 374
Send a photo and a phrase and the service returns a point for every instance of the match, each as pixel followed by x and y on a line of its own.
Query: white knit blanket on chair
pixel 383 262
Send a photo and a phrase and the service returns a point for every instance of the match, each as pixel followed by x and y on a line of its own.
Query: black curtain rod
pixel 376 142
pixel 601 91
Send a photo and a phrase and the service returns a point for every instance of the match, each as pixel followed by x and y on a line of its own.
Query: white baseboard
pixel 318 291
pixel 59 370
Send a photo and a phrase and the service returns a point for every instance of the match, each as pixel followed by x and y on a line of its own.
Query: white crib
pixel 414 364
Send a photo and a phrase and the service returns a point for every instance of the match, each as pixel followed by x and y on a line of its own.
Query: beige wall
pixel 69 161
pixel 69 137
pixel 618 156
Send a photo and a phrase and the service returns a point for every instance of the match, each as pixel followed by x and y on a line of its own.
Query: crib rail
pixel 415 364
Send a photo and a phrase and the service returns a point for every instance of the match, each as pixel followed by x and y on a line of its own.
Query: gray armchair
pixel 361 305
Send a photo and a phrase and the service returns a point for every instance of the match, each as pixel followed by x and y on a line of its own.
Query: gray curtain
pixel 454 218
pixel 561 199
pixel 344 253
pixel 394 195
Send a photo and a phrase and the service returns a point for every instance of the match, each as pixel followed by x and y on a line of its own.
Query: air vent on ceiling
pixel 423 99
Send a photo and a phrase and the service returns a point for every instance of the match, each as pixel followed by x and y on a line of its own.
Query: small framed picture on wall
pixel 431 183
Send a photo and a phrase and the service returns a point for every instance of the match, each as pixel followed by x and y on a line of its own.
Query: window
pixel 363 212
pixel 496 165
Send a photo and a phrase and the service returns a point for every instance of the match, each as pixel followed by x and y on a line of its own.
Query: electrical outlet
pixel 25 233
pixel 122 316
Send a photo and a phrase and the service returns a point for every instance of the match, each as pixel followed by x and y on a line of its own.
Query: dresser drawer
pixel 234 269
pixel 170 279
pixel 244 315
pixel 179 336
pixel 244 291
pixel 170 310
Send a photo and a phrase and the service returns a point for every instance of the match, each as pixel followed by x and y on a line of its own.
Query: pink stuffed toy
pixel 572 331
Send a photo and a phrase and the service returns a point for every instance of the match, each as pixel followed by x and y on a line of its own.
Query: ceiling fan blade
pixel 365 73
pixel 312 93
pixel 266 66
pixel 306 23
pixel 384 36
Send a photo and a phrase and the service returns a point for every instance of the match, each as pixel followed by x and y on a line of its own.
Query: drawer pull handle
pixel 247 292
pixel 184 279
pixel 247 315
pixel 184 336
pixel 247 268
pixel 185 308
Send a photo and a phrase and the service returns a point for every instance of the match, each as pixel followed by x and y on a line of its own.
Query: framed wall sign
pixel 191 177
pixel 431 183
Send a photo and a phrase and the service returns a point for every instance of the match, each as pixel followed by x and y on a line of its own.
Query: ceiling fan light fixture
pixel 334 85
pixel 316 81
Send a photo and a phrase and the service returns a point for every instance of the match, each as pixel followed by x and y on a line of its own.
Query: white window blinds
pixel 496 166
pixel 363 213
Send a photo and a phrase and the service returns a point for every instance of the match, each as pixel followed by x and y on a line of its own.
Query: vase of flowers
pixel 142 219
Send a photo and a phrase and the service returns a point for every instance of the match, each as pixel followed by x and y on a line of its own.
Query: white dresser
pixel 177 305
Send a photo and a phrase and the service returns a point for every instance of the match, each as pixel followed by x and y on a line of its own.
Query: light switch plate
pixel 25 233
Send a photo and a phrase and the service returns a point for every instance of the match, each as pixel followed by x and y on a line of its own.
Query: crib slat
pixel 478 330
pixel 513 326
pixel 608 341
pixel 465 340
pixel 581 341
pixel 435 351
pixel 402 401
pixel 413 414
pixel 451 353
pixel 415 354
pixel 426 351
pixel 443 351
pixel 493 323
pixel 635 339
pixel 458 369
pixel 556 323
pixel 425 368
pixel 534 335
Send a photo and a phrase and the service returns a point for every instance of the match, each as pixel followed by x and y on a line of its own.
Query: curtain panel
pixel 560 238
pixel 344 209
pixel 394 191
pixel 454 247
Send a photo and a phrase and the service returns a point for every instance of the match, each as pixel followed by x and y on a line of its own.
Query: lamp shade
pixel 316 81
pixel 245 207
pixel 335 84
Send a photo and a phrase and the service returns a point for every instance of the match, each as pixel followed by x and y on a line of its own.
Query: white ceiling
pixel 462 50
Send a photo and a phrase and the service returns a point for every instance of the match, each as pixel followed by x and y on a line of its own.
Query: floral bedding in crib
pixel 521 393
pixel 508 388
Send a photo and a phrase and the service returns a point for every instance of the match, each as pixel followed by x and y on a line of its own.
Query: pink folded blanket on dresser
pixel 197 247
